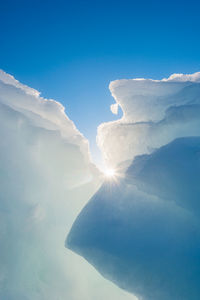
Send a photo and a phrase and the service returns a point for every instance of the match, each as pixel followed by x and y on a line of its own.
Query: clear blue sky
pixel 71 50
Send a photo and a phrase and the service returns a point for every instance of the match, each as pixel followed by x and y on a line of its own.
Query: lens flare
pixel 109 173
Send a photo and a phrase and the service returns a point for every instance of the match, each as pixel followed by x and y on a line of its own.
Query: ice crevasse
pixel 140 230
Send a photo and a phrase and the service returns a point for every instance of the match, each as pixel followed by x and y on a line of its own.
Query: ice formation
pixel 142 230
pixel 154 114
pixel 46 178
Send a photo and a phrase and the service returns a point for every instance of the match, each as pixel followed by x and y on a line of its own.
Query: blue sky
pixel 70 51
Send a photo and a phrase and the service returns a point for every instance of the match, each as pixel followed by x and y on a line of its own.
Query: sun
pixel 109 173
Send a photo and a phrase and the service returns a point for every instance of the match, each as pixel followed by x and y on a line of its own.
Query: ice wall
pixel 141 230
pixel 46 178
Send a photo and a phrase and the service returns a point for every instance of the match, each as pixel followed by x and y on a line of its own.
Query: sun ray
pixel 109 173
